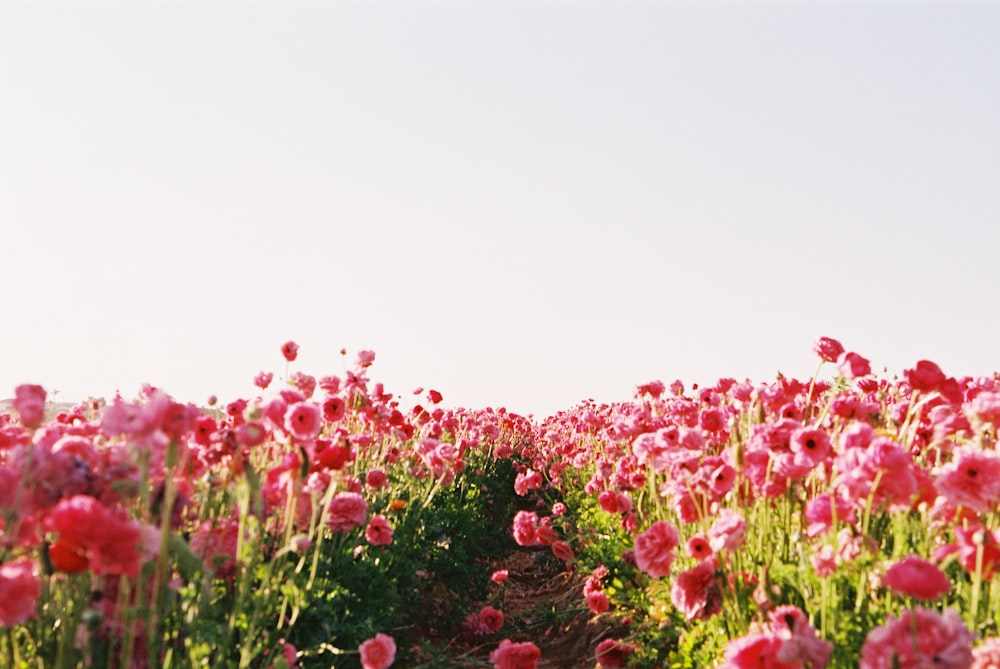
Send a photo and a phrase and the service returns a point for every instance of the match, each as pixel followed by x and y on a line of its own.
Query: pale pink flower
pixel 19 591
pixel 824 561
pixel 654 548
pixel 916 577
pixel 526 481
pixel 800 643
pixel 987 654
pixel 510 655
pixel 378 652
pixel 347 511
pixel 365 359
pixel 925 376
pixel 727 531
pixel 908 642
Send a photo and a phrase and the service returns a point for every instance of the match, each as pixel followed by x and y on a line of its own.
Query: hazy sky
pixel 523 204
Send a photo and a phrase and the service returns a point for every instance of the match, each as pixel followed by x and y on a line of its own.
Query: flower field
pixel 785 524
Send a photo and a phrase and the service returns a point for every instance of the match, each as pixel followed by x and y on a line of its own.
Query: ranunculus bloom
pixel 19 592
pixel 110 542
pixel 987 654
pixel 499 576
pixel 378 652
pixel 379 531
pixel 654 548
pixel 347 511
pixel 852 365
pixel 612 653
pixel 916 577
pixel 491 618
pixel 334 409
pixel 303 421
pixel 925 376
pixel 365 358
pixel 375 479
pixel 695 592
pixel 215 542
pixel 290 350
pixel 698 548
pixel 525 528
pixel 263 380
pixel 29 401
pixel 727 531
pixel 910 641
pixel 971 479
pixel 562 550
pixel 510 655
pixel 828 349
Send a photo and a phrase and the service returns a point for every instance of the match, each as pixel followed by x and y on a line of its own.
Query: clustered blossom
pixel 908 641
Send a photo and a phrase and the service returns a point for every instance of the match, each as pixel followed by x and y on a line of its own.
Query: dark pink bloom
pixel 19 592
pixel 290 350
pixel 916 577
pixel 379 531
pixel 852 365
pixel 829 350
pixel 378 652
pixel 110 542
pixel 491 619
pixel 510 655
pixel 303 421
pixel 347 511
pixel 375 479
pixel 334 409
pixel 695 592
pixel 562 550
pixel 29 402
pixel 612 653
pixel 699 548
pixel 910 641
pixel 810 445
pixel 925 376
pixel 821 511
pixel 654 548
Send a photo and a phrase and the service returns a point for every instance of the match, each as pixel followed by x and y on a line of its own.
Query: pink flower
pixel 853 365
pixel 29 402
pixel 756 651
pixel 334 409
pixel 908 642
pixel 109 542
pixel 499 576
pixel 800 645
pixel 378 652
pixel 562 550
pixel 598 602
pixel 915 577
pixel 727 531
pixel 263 380
pixel 987 654
pixel 379 531
pixel 612 653
pixel 695 592
pixel 510 655
pixel 820 512
pixel 347 511
pixel 376 479
pixel 971 479
pixel 824 562
pixel 828 349
pixel 925 376
pixel 303 421
pixel 526 481
pixel 365 359
pixel 19 592
pixel 216 542
pixel 525 528
pixel 290 350
pixel 654 548
pixel 698 548
pixel 305 383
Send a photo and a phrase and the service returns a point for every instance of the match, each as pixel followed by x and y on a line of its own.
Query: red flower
pixel 925 376
pixel 110 541
pixel 290 350
pixel 918 578
pixel 19 592
pixel 852 365
pixel 562 550
pixel 828 349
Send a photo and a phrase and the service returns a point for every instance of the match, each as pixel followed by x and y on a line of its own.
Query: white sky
pixel 517 203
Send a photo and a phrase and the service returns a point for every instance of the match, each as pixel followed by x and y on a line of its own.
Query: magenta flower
pixel 526 528
pixel 852 365
pixel 378 652
pixel 695 592
pixel 971 479
pixel 108 541
pixel 698 548
pixel 925 376
pixel 654 548
pixel 915 577
pixel 29 402
pixel 612 653
pixel 19 592
pixel 829 350
pixel 303 421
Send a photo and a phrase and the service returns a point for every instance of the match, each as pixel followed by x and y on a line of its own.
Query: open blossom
pixel 612 653
pixel 379 531
pixel 378 652
pixel 19 591
pixel 525 528
pixel 987 654
pixel 510 655
pixel 727 531
pixel 347 511
pixel 695 592
pixel 852 365
pixel 303 421
pixel 971 479
pixel 263 380
pixel 103 540
pixel 828 349
pixel 526 481
pixel 365 359
pixel 654 548
pixel 915 577
pixel 29 402
pixel 909 641
pixel 290 350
